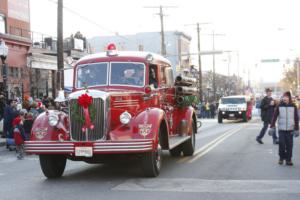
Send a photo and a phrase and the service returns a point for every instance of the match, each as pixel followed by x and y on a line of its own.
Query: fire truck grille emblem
pixel 144 129
pixel 40 133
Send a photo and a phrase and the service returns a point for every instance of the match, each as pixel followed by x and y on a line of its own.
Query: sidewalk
pixel 2 142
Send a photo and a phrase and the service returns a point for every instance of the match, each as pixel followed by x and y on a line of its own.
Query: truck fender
pixel 42 131
pixel 188 114
pixel 156 118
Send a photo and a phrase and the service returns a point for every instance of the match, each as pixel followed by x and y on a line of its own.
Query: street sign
pixel 269 60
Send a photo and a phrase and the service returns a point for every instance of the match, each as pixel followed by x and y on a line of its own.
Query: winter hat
pixel 288 94
pixel 16 121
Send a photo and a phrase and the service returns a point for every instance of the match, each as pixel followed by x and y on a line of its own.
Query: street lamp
pixel 3 55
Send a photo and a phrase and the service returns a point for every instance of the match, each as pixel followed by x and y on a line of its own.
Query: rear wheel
pixel 151 161
pixel 53 166
pixel 220 118
pixel 176 152
pixel 188 147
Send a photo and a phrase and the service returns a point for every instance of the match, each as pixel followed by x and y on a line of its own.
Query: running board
pixel 177 140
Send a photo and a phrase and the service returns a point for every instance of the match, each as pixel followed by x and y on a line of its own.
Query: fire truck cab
pixel 122 103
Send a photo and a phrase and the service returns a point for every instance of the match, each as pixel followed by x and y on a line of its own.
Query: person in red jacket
pixel 19 136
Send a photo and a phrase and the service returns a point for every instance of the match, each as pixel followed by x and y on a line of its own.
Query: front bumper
pixel 231 114
pixel 99 147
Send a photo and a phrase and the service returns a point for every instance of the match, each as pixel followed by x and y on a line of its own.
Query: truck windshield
pixel 233 100
pixel 92 75
pixel 127 73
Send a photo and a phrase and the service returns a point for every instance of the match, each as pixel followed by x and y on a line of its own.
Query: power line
pixel 94 23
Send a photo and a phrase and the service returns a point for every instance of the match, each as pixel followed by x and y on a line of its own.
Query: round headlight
pixel 53 120
pixel 125 117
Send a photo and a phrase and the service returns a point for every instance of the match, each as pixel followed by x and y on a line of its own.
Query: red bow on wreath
pixel 85 101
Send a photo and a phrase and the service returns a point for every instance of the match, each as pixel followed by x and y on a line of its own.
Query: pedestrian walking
pixel 19 136
pixel 212 108
pixel 267 107
pixel 207 110
pixel 288 126
pixel 10 112
pixel 2 106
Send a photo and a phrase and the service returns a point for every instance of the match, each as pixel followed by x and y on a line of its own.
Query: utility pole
pixel 162 33
pixel 199 59
pixel 163 44
pixel 200 65
pixel 60 47
pixel 214 61
pixel 214 67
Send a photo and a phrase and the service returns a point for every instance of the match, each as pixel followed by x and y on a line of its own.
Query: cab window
pixel 153 76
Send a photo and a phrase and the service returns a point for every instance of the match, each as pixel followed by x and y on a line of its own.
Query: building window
pixel 2 24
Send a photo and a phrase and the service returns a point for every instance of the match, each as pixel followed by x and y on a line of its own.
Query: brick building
pixel 15 31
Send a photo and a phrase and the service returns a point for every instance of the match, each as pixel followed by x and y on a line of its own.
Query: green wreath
pixel 76 109
pixel 189 101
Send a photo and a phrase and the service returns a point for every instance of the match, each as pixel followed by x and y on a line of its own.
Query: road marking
pixel 202 153
pixel 209 146
pixel 210 186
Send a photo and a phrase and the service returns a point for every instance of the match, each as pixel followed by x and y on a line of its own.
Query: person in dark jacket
pixel 288 126
pixel 27 125
pixel 2 106
pixel 10 112
pixel 267 108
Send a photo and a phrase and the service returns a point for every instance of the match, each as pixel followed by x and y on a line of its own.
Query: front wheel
pixel 151 161
pixel 53 166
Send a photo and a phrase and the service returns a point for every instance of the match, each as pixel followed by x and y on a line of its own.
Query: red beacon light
pixel 111 50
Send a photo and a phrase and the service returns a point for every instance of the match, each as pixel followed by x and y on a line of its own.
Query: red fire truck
pixel 122 103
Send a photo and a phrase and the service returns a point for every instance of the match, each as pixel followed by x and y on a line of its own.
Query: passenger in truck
pixel 152 78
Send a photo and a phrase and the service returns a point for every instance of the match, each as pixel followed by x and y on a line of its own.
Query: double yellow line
pixel 209 146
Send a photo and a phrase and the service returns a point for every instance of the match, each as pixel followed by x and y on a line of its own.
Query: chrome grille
pixel 99 122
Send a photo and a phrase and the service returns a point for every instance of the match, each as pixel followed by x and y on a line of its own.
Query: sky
pixel 252 29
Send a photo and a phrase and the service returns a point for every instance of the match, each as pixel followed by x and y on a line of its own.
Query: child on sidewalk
pixel 288 126
pixel 19 136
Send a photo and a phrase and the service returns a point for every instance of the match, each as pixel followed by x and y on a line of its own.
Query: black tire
pixel 244 115
pixel 152 161
pixel 176 152
pixel 220 118
pixel 188 147
pixel 53 166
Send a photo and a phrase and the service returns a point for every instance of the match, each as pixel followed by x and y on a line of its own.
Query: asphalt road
pixel 228 164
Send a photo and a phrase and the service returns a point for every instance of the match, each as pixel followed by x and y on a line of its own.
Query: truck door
pixel 167 92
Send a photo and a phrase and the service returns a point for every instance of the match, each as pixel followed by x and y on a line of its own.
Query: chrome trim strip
pixel 130 147
pixel 125 106
pixel 121 150
pixel 48 151
pixel 120 143
pixel 38 144
pixel 40 147
pixel 126 101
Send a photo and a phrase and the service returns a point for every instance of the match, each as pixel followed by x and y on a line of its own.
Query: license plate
pixel 231 115
pixel 84 151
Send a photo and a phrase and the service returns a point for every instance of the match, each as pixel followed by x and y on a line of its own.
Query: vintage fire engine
pixel 122 103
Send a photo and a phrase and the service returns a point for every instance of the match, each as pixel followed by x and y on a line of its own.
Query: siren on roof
pixel 111 50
